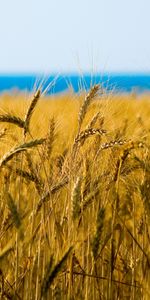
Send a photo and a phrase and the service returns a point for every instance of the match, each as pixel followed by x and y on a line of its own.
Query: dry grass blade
pixel 23 147
pixel 8 118
pixel 52 273
pixel 89 97
pixel 31 110
pixel 129 284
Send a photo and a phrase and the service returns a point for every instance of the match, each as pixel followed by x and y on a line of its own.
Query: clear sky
pixel 74 36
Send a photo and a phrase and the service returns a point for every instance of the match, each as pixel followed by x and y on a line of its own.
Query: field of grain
pixel 75 196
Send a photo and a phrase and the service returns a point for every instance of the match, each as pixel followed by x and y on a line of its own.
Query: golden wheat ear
pixel 88 98
pixel 50 137
pixel 23 147
pixel 76 198
pixel 30 110
pixel 89 132
pixel 93 120
pixel 8 118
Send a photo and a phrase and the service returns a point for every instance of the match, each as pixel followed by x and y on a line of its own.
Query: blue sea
pixel 52 84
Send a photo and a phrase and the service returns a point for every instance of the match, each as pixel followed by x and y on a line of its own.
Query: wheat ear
pixel 93 120
pixel 52 191
pixel 89 97
pixel 8 118
pixel 23 147
pixel 14 211
pixel 37 181
pixel 98 233
pixel 31 110
pixel 49 139
pixel 89 132
pixel 52 273
pixel 76 198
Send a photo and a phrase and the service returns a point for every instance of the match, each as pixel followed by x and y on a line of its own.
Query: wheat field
pixel 75 196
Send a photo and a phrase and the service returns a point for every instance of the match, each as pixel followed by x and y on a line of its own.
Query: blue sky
pixel 74 36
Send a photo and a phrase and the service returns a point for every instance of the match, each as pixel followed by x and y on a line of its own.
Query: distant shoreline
pixel 122 83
